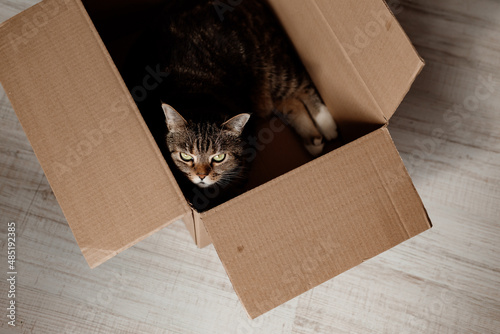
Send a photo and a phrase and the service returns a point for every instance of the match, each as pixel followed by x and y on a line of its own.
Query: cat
pixel 225 69
pixel 208 151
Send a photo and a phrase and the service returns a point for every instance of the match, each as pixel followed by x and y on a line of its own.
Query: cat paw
pixel 325 123
pixel 316 147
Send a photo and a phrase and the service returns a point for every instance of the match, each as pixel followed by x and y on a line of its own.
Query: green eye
pixel 219 158
pixel 186 157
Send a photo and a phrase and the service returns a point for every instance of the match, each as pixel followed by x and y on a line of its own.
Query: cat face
pixel 207 153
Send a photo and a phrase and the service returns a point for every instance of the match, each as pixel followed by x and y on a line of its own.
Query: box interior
pixel 121 24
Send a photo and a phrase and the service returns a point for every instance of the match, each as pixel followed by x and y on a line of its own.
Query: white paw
pixel 316 147
pixel 325 123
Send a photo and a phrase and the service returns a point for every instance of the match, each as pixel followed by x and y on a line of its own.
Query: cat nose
pixel 202 176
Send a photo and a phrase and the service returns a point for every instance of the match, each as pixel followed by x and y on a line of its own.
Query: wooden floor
pixel 446 280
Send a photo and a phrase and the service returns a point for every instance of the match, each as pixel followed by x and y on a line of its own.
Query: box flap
pixel 315 222
pixel 373 63
pixel 103 165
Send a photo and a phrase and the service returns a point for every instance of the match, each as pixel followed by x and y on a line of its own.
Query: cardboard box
pixel 275 241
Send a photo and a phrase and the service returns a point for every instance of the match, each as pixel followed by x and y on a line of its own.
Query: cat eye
pixel 186 157
pixel 219 158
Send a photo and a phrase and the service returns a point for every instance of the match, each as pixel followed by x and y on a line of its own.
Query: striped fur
pixel 218 69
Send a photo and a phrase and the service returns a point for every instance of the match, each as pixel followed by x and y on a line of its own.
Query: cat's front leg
pixel 325 122
pixel 297 116
pixel 319 112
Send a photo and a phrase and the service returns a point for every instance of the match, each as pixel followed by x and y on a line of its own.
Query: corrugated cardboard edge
pixel 188 221
pixel 202 237
pixel 414 77
pixel 194 224
pixel 412 184
pixel 196 228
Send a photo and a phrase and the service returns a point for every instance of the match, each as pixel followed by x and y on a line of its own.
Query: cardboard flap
pixel 305 227
pixel 373 63
pixel 98 155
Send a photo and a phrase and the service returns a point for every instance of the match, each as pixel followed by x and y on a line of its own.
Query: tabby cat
pixel 225 68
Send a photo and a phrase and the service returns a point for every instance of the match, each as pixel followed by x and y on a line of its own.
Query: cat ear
pixel 237 123
pixel 174 120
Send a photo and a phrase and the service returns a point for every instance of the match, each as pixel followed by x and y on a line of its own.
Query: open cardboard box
pixel 279 239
